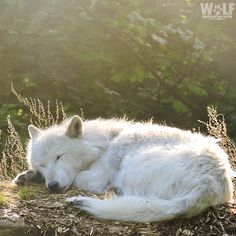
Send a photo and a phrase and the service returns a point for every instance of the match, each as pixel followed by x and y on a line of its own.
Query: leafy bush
pixel 142 58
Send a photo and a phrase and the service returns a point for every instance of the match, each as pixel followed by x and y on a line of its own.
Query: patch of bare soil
pixel 48 214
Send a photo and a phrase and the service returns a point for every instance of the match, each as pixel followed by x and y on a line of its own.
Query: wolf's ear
pixel 34 132
pixel 75 127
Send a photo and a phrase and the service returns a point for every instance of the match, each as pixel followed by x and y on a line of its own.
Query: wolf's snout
pixel 53 186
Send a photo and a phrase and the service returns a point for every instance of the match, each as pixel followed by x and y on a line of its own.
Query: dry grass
pixel 42 114
pixel 13 156
pixel 216 127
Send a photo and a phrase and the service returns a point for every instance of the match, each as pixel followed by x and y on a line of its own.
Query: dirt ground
pixel 42 213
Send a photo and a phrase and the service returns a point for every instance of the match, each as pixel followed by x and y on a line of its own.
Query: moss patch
pixel 3 200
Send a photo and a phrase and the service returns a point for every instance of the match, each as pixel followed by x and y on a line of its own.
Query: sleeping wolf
pixel 158 172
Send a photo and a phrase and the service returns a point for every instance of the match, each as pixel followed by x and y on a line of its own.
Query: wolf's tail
pixel 139 209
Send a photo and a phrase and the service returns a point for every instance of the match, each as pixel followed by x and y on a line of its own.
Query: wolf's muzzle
pixel 53 187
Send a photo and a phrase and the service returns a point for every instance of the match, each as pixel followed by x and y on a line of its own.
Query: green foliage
pixel 142 58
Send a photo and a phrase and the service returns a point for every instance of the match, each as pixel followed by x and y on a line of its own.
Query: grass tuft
pixel 27 192
pixel 3 200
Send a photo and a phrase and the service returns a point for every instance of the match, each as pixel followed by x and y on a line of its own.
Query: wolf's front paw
pixel 83 203
pixel 77 201
pixel 116 190
pixel 27 177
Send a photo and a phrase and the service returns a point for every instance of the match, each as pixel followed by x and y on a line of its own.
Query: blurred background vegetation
pixel 141 58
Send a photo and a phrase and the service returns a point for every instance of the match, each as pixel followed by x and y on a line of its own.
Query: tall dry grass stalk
pixel 13 156
pixel 216 127
pixel 42 115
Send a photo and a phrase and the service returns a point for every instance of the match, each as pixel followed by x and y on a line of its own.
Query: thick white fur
pixel 161 172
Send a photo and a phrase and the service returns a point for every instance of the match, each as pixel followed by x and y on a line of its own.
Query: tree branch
pixel 142 61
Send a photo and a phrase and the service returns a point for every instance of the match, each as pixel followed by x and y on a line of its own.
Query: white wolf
pixel 158 172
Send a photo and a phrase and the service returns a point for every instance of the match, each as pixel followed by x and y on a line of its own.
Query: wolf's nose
pixel 53 186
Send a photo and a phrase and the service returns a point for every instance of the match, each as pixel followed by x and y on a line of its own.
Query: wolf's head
pixel 59 153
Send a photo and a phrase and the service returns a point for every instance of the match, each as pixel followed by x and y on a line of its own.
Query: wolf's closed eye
pixel 59 156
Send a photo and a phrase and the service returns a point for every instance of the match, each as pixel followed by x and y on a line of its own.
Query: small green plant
pixel 3 200
pixel 27 193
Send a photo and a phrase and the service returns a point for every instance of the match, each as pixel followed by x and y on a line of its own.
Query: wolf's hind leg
pixel 94 181
pixel 208 191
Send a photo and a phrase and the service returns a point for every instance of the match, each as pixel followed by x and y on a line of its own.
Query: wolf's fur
pixel 160 172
